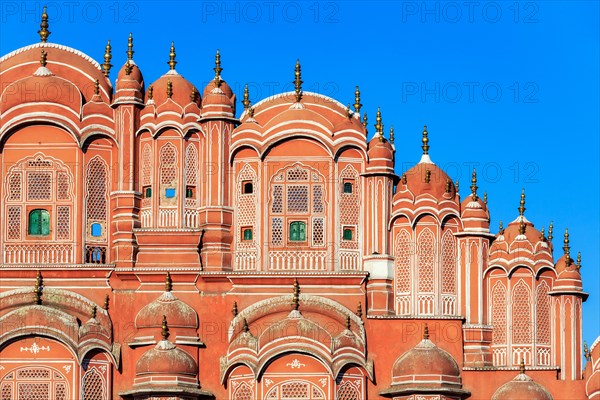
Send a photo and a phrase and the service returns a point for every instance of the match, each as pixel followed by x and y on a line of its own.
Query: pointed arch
pixel 403 273
pixel 521 309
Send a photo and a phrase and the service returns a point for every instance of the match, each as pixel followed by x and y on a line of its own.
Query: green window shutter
pixel 298 231
pixel 45 228
pixel 347 234
pixel 247 234
pixel 35 225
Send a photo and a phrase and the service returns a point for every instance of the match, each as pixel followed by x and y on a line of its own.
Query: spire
pixel 485 199
pixel 543 234
pixel 522 227
pixel 150 92
pixel 107 57
pixel 379 125
pixel 130 47
pixel 218 68
pixel 246 102
pixel 474 185
pixel 426 332
pixel 348 111
pixel 168 283
pixel 298 82
pixel 37 291
pixel 296 295
pixel 501 228
pixel 44 32
pixel 427 176
pixel 194 95
pixel 522 365
pixel 93 313
pixel 169 89
pixel 392 135
pixel 128 68
pixel 550 231
pixel 97 87
pixel 43 58
pixel 425 141
pixel 172 56
pixel 359 312
pixel 246 328
pixel 448 185
pixel 365 119
pixel 234 309
pixel 522 203
pixel 578 259
pixel 106 300
pixel 357 104
pixel 404 180
pixel 567 248
pixel 456 185
pixel 586 351
pixel 165 328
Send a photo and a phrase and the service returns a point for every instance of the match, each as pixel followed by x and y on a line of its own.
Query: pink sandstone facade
pixel 159 244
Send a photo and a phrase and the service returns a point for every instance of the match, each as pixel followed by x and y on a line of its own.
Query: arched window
pixel 39 222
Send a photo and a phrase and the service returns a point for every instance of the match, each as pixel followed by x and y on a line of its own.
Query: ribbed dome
pixel 522 387
pixel 419 183
pixel 181 89
pixel 178 313
pixel 381 152
pixel 135 74
pixel 213 85
pixel 166 359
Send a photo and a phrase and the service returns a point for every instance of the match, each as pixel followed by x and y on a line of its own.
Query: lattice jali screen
pixel 63 222
pixel 402 262
pixel 426 247
pixel 448 263
pixel 318 231
pixel 521 311
pixel 295 390
pixel 13 223
pixel 63 186
pixel 168 164
pixel 543 304
pixel 498 300
pixel 348 392
pixel 277 231
pixel 147 165
pixel 39 186
pixel 318 206
pixel 35 383
pixel 191 165
pixel 246 207
pixel 6 391
pixel 15 183
pixel 277 206
pixel 243 392
pixel 97 189
pixel 349 205
pixel 297 199
pixel 94 385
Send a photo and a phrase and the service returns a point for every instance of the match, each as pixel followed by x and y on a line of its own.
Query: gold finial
pixel 426 332
pixel 165 328
pixel 501 228
pixel 234 309
pixel 522 227
pixel 94 311
pixel 194 95
pixel 404 178
pixel 543 234
pixel 246 328
pixel 43 58
pixel 485 197
pixel 359 312
pixel 586 352
pixel 172 55
pixel 106 301
pixel 392 135
pixel 217 67
pixel 296 296
pixel 39 284
pixel 251 112
pixel 168 282
pixel 578 259
pixel 474 185
pixel 425 141
pixel 365 119
pixel 357 105
pixel 348 111
pixel 44 32
pixel 456 185
pixel 522 203
pixel 522 365
pixel 130 47
pixel 378 124
pixel 448 185
pixel 427 176
pixel 550 231
pixel 298 82
pixel 150 92
pixel 246 102
pixel 107 57
pixel 566 247
pixel 97 87
pixel 169 89
pixel 348 322
pixel 128 68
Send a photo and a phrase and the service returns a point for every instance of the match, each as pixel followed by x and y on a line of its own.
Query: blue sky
pixel 511 88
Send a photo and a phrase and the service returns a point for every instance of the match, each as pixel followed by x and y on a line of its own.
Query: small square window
pixel 190 192
pixel 247 187
pixel 298 231
pixel 348 187
pixel 170 193
pixel 247 234
pixel 348 234
pixel 39 222
pixel 96 229
pixel 147 192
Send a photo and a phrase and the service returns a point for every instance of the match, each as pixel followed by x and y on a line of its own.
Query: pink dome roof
pixel 181 89
pixel 178 313
pixel 166 359
pixel 522 387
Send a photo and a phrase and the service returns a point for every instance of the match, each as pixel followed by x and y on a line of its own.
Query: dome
pixel 166 359
pixel 522 387
pixel 425 359
pixel 381 152
pixel 180 89
pixel 212 85
pixel 428 178
pixel 179 313
pixel 134 73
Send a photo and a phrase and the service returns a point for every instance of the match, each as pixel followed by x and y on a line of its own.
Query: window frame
pixel 300 223
pixel 41 233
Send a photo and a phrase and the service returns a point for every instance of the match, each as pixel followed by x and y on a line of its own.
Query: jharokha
pixel 159 244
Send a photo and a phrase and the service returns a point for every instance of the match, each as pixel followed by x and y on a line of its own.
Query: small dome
pixel 381 152
pixel 522 387
pixel 428 178
pixel 179 313
pixel 474 213
pixel 135 74
pixel 212 85
pixel 166 359
pixel 428 364
pixel 180 88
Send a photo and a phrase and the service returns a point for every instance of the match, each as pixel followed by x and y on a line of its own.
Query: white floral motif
pixel 67 368
pixel 296 364
pixel 268 382
pixel 323 382
pixel 34 349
